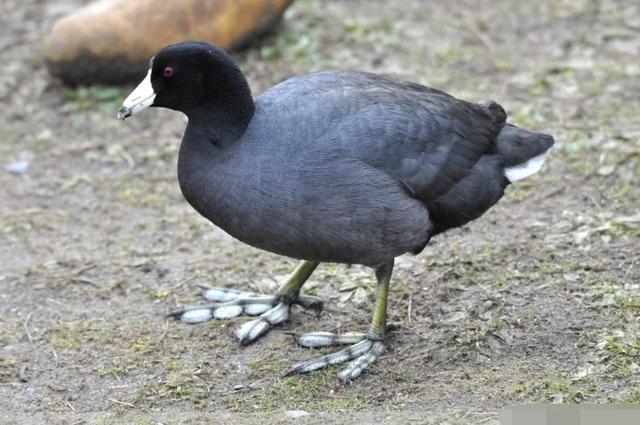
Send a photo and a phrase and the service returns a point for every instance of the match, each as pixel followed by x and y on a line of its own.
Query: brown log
pixel 111 41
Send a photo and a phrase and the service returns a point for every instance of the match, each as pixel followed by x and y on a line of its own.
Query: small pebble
pixel 296 413
pixel 18 167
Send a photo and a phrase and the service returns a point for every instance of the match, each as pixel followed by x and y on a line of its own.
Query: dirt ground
pixel 536 302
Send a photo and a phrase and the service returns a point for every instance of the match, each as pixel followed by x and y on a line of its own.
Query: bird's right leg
pixel 272 309
pixel 363 349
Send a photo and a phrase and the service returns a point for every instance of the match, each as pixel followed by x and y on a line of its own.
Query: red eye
pixel 168 72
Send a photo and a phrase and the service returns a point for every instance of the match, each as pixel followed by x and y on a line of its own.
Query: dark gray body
pixel 346 167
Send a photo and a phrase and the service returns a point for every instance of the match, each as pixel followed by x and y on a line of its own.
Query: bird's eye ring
pixel 168 72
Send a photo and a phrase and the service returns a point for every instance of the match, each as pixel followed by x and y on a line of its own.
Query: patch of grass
pixel 626 190
pixel 553 390
pixel 620 352
pixel 74 335
pixel 342 403
pixel 488 330
pixel 83 99
pixel 546 268
pixel 632 397
pixel 156 294
pixel 116 371
pixel 542 86
pixel 355 285
pixel 299 41
pixel 520 192
pixel 183 384
pixel 8 369
pixel 528 116
pixel 176 366
pixel 219 326
pixel 607 226
pixel 401 287
pixel 313 392
pixel 141 345
pixel 493 253
pixel 5 336
pixel 140 194
pixel 361 28
pixel 261 367
pixel 126 349
pixel 612 294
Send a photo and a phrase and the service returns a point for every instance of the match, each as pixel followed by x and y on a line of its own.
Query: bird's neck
pixel 211 139
pixel 221 123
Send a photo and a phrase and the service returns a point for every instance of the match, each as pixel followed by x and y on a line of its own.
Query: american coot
pixel 345 167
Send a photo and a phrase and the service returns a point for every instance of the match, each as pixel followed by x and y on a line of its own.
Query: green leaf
pixel 605 170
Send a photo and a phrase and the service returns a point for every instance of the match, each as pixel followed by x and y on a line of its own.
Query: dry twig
pixel 124 403
pixel 26 327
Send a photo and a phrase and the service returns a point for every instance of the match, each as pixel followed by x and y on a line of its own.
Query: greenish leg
pixel 378 326
pixel 365 348
pixel 271 309
pixel 291 288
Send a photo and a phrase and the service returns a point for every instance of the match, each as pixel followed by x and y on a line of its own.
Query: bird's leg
pixel 365 348
pixel 272 309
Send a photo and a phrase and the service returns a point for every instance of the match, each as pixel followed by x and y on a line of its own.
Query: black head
pixel 195 78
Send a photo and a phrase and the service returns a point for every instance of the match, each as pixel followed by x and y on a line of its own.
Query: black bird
pixel 345 167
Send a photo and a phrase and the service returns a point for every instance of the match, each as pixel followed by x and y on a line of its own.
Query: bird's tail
pixel 522 151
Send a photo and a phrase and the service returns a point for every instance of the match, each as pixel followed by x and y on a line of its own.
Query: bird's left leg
pixel 366 348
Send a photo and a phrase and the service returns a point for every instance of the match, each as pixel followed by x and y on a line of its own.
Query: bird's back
pixel 427 140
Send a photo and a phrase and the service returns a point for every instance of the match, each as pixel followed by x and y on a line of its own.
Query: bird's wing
pixel 428 140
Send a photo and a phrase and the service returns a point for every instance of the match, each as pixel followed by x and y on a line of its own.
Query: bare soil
pixel 536 302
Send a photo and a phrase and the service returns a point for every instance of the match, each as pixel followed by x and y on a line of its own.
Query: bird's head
pixel 188 77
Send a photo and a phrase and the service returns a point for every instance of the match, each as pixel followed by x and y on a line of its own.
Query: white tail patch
pixel 526 169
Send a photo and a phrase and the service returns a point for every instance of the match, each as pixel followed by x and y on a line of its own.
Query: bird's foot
pixel 272 309
pixel 365 349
